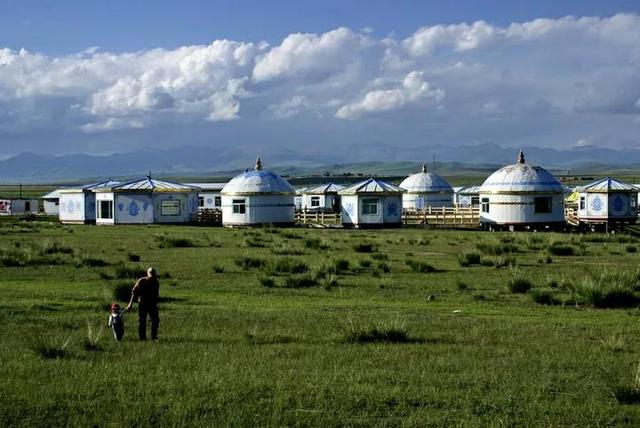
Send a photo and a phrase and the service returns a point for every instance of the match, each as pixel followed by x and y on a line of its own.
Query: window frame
pixel 485 205
pixel 217 201
pixel 99 213
pixel 538 207
pixel 315 201
pixel 239 206
pixel 164 206
pixel 583 203
pixel 368 203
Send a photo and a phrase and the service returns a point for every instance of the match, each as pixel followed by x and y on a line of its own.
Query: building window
pixel 105 209
pixel 239 206
pixel 542 205
pixel 633 202
pixel 370 206
pixel 170 207
pixel 27 206
pixel 475 200
pixel 485 205
pixel 583 202
pixel 217 201
pixel 200 201
pixel 315 201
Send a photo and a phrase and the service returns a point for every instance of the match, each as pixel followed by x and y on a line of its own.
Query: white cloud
pixel 291 107
pixel 413 89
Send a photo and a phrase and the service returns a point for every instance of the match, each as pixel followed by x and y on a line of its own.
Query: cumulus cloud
pixel 413 89
pixel 542 76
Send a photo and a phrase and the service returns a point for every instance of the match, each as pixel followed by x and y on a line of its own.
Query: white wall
pixel 602 206
pixel 520 209
pixel 19 206
pixel 133 208
pixel 74 209
pixel 420 201
pixel 259 209
pixel 389 210
pixel 188 207
pixel 209 199
pixel 52 207
pixel 326 202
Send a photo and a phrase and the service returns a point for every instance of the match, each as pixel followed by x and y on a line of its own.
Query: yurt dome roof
pixel 521 178
pixel 324 189
pixel 606 185
pixel 371 186
pixel 426 182
pixel 471 190
pixel 258 182
pixel 148 184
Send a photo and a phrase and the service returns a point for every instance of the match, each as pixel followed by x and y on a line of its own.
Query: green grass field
pixel 320 327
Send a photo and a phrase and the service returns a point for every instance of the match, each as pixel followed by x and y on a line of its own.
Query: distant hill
pixel 197 161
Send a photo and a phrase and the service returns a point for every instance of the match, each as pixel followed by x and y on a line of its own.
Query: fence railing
pixel 210 216
pixel 317 218
pixel 443 217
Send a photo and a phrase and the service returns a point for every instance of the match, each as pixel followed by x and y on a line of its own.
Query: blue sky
pixel 317 76
pixel 68 26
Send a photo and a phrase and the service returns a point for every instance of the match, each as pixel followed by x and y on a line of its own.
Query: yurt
pixel 209 196
pixel 424 190
pixel 607 201
pixel 521 196
pixel 323 198
pixel 51 202
pixel 78 204
pixel 467 196
pixel 146 201
pixel 257 197
pixel 371 203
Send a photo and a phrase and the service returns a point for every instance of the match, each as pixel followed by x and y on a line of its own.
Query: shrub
pixel 519 285
pixel 384 267
pixel 315 244
pixel 300 281
pixel 267 282
pixel 608 290
pixel 468 259
pixel 364 247
pixel 557 249
pixel 92 262
pixel 497 249
pixel 543 297
pixel 122 292
pixel 246 262
pixel 329 282
pixel 172 242
pixel 420 267
pixel 43 346
pixel 133 257
pixel 124 271
pixel 218 269
pixel 380 332
pixel 288 265
pixel 253 243
pixel 503 261
pixel 462 286
pixel 287 251
pixel 631 248
pixel 365 263
pixel 53 247
pixel 380 256
pixel 341 265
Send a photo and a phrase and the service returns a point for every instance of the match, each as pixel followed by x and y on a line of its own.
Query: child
pixel 116 322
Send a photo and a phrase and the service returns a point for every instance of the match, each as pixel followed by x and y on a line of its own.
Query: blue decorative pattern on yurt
pixel 133 209
pixel 596 204
pixel 392 209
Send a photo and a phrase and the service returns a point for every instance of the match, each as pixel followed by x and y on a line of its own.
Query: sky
pixel 314 76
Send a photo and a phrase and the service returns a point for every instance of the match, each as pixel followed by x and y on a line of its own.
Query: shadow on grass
pixel 276 339
pixel 626 395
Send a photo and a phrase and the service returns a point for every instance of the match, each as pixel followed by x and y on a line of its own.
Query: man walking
pixel 146 292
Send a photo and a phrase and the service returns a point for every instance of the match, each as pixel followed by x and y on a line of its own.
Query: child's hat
pixel 115 306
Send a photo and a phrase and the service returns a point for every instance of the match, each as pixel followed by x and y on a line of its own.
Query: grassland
pixel 319 327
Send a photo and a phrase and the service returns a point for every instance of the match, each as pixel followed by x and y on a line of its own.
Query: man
pixel 146 291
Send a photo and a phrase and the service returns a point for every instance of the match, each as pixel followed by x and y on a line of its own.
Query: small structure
pixel 18 206
pixel 297 198
pixel 607 201
pixel 371 203
pixel 521 196
pixel 146 201
pixel 78 204
pixel 209 196
pixel 424 190
pixel 322 198
pixel 258 197
pixel 51 202
pixel 467 196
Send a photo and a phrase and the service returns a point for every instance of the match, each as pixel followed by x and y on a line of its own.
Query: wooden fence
pixel 443 217
pixel 210 217
pixel 315 218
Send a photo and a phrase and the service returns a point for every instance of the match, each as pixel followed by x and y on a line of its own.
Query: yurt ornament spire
pixel 257 197
pixel 426 189
pixel 521 196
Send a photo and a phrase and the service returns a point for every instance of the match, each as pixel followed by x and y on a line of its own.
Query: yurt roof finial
pixel 521 157
pixel 258 164
pixel 424 168
pixel 149 175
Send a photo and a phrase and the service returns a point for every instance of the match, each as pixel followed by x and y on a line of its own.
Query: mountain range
pixel 201 161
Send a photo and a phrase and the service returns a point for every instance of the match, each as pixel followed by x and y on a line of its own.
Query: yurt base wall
pixel 366 211
pixel 72 208
pixel 257 210
pixel 133 208
pixel 416 202
pixel 520 210
pixel 175 207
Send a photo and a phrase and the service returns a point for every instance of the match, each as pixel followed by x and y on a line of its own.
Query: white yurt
pixel 467 196
pixel 371 203
pixel 258 197
pixel 607 201
pixel 424 190
pixel 521 196
pixel 78 204
pixel 146 201
pixel 209 196
pixel 323 198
